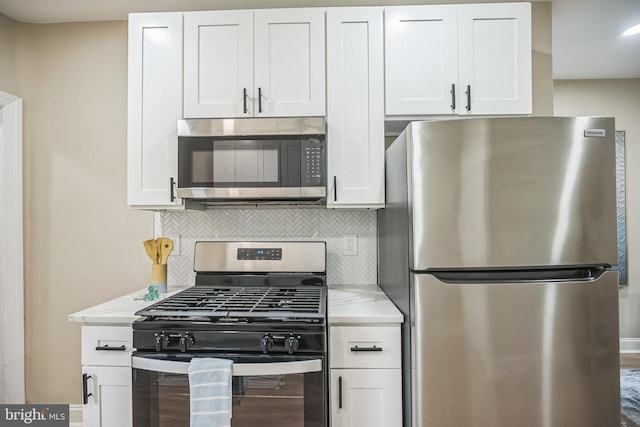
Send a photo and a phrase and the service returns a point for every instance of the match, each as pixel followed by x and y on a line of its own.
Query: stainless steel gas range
pixel 260 304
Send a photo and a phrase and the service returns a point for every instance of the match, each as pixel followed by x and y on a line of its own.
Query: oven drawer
pixel 107 345
pixel 364 347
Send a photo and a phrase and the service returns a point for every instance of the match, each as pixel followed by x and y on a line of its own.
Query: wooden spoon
pixel 165 246
pixel 151 248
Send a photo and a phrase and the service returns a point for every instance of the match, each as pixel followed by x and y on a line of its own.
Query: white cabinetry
pixel 355 107
pixel 365 376
pixel 422 59
pixel 106 370
pixel 458 59
pixel 494 56
pixel 254 63
pixel 154 108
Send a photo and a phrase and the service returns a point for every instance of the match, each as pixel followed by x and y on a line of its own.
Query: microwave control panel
pixel 313 163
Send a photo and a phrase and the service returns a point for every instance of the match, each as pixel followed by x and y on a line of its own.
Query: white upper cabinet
pixel 355 107
pixel 458 59
pixel 218 64
pixel 154 108
pixel 495 58
pixel 289 62
pixel 422 59
pixel 254 63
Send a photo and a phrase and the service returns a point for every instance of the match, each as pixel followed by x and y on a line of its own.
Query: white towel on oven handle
pixel 210 387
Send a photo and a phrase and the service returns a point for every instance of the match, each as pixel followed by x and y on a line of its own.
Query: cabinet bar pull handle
pixel 374 348
pixel 106 347
pixel 259 100
pixel 339 392
pixel 85 389
pixel 171 184
pixel 244 99
pixel 468 92
pixel 335 188
pixel 453 96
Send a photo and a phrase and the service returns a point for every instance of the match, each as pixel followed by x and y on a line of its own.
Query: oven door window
pixel 294 399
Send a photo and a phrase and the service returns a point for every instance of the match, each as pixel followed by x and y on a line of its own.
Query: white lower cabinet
pixel 109 404
pixel 366 397
pixel 106 371
pixel 365 376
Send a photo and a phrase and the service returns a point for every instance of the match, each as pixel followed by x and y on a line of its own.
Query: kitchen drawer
pixel 107 345
pixel 357 347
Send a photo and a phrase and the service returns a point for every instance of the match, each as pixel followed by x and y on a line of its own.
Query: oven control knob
pixel 162 341
pixel 266 343
pixel 291 344
pixel 186 341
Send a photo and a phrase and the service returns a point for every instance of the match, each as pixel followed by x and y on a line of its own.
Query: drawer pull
pixel 374 348
pixel 106 347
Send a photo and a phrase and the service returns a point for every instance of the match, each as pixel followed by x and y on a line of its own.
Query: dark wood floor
pixel 630 361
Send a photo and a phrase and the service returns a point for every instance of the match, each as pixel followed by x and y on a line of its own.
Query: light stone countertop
pixel 346 305
pixel 118 311
pixel 360 305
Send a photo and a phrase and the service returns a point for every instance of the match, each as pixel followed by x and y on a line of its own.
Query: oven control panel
pixel 259 254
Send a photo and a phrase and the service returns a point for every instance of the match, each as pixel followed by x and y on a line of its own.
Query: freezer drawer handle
pixel 374 348
pixel 107 347
pixel 85 393
pixel 339 392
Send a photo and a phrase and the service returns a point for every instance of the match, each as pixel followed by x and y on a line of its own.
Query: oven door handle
pixel 239 369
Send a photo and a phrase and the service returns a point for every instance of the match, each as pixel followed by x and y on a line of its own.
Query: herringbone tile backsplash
pixel 274 224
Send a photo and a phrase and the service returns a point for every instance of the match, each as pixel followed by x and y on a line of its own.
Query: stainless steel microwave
pixel 277 160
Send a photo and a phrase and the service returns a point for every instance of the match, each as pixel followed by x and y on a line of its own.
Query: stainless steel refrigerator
pixel 497 243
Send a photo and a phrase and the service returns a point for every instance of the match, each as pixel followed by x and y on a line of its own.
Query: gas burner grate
pixel 245 302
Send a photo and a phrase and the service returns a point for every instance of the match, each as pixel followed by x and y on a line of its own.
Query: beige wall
pixel 8 74
pixel 542 72
pixel 82 244
pixel 620 99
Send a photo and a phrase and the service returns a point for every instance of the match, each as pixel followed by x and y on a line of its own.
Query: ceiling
pixel 587 41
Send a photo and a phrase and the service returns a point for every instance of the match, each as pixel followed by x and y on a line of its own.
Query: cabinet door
pixel 289 62
pixel 355 107
pixel 421 59
pixel 495 58
pixel 154 107
pixel 110 404
pixel 218 64
pixel 366 397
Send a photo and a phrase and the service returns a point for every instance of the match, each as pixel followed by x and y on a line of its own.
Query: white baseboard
pixel 75 415
pixel 629 345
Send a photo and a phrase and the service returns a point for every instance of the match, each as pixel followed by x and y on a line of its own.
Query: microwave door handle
pixel 239 369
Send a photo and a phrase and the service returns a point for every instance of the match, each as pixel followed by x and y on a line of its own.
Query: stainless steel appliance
pixel 497 244
pixel 261 304
pixel 262 160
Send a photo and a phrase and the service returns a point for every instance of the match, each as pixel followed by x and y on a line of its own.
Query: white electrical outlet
pixel 177 243
pixel 350 245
